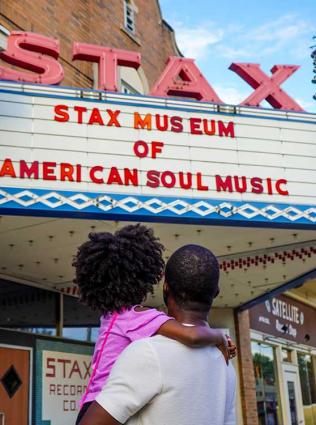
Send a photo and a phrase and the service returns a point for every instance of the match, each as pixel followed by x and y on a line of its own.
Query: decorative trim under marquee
pixel 242 262
pixel 152 208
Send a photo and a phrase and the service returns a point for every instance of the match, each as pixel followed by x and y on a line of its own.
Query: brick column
pixel 246 371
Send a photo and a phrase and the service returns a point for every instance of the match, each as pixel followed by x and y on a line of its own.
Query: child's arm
pixel 193 336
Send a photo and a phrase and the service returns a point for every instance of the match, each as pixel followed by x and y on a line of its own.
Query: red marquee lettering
pixel 113 118
pixel 226 129
pixel 140 122
pixel 95 117
pixel 267 87
pixel 61 113
pixel 257 186
pixel 195 126
pixel 67 172
pixel 7 169
pixel 28 171
pixel 80 110
pixel 153 179
pixel 223 185
pixel 48 171
pixel 199 183
pixel 168 179
pixel 130 177
pixel 156 147
pixel 188 183
pixel 114 177
pixel 278 184
pixel 207 130
pixel 141 149
pixel 176 124
pixel 93 177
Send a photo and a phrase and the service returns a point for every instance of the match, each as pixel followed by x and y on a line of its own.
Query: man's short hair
pixel 192 274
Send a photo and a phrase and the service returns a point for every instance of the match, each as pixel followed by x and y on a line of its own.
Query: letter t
pixel 108 60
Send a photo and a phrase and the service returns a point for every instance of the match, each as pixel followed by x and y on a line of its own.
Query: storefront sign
pixel 64 380
pixel 181 77
pixel 285 318
pixel 116 155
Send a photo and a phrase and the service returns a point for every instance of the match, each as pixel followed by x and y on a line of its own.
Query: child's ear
pixel 165 286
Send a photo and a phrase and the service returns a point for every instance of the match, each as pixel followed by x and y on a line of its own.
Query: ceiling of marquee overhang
pixel 253 260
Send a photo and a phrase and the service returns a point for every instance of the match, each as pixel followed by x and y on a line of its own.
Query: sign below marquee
pixel 286 318
pixel 153 157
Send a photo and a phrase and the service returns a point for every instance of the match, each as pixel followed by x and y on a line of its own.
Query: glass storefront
pixel 35 310
pixel 308 380
pixel 267 390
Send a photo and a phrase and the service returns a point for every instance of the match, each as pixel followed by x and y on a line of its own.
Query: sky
pixel 267 32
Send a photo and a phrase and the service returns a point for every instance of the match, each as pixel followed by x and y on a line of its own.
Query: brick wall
pixel 96 22
pixel 247 378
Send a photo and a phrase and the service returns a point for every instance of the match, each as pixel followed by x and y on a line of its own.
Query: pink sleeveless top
pixel 126 327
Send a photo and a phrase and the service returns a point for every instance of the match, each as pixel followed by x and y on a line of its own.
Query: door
pixel 14 386
pixel 293 396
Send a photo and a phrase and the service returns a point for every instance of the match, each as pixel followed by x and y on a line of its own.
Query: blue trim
pixel 295 283
pixel 154 106
pixel 146 96
pixel 168 209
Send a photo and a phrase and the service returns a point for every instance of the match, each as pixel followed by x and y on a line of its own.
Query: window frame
pixel 129 8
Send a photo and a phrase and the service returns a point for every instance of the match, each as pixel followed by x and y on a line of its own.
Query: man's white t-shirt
pixel 158 381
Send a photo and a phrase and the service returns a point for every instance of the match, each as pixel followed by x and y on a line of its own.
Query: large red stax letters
pixel 267 87
pixel 108 60
pixel 181 77
pixel 33 52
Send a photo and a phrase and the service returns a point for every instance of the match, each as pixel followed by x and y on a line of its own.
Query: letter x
pixel 267 87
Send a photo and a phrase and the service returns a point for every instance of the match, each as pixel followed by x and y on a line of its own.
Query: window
pixel 286 355
pixel 267 389
pixel 127 88
pixel 4 34
pixel 129 16
pixel 307 378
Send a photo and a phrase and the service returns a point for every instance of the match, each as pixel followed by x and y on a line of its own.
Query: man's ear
pixel 165 286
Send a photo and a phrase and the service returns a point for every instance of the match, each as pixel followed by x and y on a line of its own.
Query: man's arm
pixel 96 415
pixel 134 380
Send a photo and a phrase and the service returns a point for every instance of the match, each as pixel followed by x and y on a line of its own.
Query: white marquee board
pixel 259 166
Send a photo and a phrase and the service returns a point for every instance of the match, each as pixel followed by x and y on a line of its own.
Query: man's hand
pixel 96 415
pixel 228 348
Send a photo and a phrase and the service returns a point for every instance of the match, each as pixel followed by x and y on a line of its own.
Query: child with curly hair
pixel 115 273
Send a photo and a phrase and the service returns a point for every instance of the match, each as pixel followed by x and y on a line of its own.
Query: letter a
pixel 267 87
pixel 182 78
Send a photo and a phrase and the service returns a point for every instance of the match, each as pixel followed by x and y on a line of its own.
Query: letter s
pixel 33 52
pixel 51 366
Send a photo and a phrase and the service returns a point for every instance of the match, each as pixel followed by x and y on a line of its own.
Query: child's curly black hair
pixel 116 271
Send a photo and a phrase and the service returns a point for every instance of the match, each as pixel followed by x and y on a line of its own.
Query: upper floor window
pixel 4 34
pixel 127 88
pixel 129 16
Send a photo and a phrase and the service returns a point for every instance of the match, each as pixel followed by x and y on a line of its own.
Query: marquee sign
pixel 129 155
